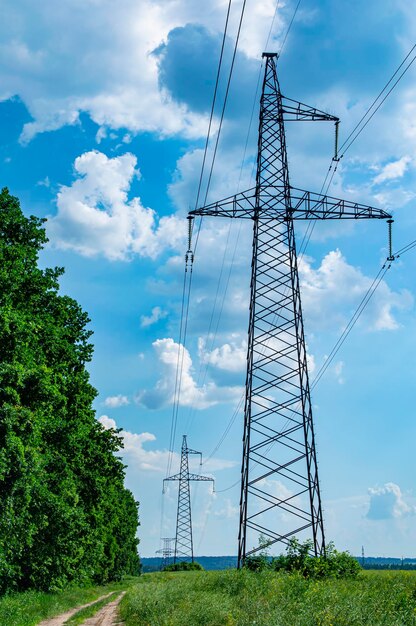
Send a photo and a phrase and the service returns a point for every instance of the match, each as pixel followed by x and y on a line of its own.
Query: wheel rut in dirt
pixel 61 619
pixel 107 616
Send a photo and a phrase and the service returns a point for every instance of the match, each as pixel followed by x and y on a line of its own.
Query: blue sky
pixel 103 119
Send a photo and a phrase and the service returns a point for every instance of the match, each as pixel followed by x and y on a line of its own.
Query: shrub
pixel 334 564
pixel 298 558
pixel 182 566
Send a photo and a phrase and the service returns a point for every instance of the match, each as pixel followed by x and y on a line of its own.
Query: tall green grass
pixel 31 607
pixel 234 598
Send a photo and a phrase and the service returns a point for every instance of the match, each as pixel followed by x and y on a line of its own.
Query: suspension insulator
pixel 336 158
pixel 391 255
pixel 190 228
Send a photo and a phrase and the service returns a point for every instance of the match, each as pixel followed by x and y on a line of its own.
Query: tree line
pixel 65 515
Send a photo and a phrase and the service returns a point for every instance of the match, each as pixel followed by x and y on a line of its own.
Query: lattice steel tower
pixel 167 551
pixel 280 495
pixel 183 541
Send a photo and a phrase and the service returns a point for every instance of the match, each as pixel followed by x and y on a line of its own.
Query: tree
pixel 65 515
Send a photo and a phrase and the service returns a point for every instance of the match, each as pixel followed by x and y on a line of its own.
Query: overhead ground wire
pixel 187 287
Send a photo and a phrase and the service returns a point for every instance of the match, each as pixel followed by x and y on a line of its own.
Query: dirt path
pixel 108 616
pixel 60 620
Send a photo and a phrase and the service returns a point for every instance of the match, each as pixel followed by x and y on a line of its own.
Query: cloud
pixel 393 170
pixel 65 60
pixel 387 502
pixel 189 51
pixel 115 401
pixel 156 315
pixel 335 284
pixel 231 357
pixel 229 511
pixel 162 394
pixel 339 371
pixel 95 216
pixel 155 460
pixel 44 183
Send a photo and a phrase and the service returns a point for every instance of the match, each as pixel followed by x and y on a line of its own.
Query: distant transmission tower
pixel 167 551
pixel 183 541
pixel 280 495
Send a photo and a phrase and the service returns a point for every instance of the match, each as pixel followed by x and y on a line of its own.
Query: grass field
pixel 31 607
pixel 233 598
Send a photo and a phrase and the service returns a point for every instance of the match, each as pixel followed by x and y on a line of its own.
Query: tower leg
pixel 280 495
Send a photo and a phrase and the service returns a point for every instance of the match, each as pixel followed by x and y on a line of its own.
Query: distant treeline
pixel 65 516
pixel 387 563
pixel 153 564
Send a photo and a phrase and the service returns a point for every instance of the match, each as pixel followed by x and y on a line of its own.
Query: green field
pixel 236 598
pixel 233 598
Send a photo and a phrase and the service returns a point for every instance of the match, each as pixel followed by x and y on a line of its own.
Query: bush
pixel 334 564
pixel 298 558
pixel 182 566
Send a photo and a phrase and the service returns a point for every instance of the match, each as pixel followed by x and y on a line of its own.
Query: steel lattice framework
pixel 167 551
pixel 280 495
pixel 183 541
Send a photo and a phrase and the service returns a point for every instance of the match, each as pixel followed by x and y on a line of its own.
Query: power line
pixel 357 314
pixel 355 134
pixel 213 102
pixel 180 360
pixel 225 100
pixel 173 422
pixel 184 321
pixel 236 411
pixel 289 27
pixel 405 249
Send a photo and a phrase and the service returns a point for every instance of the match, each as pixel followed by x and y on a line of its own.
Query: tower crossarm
pixel 190 451
pixel 294 111
pixel 199 478
pixel 174 477
pixel 307 205
pixel 243 204
pixel 304 205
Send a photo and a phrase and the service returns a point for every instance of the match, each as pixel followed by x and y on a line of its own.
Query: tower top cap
pixel 269 55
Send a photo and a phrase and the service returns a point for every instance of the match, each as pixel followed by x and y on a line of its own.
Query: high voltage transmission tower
pixel 280 495
pixel 183 541
pixel 167 551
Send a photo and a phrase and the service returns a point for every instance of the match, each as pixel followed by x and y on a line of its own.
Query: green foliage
pixel 298 559
pixel 65 516
pixel 183 566
pixel 242 598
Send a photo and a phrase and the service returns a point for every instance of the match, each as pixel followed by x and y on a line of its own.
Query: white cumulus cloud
pixel 207 395
pixel 388 502
pixel 156 315
pixel 393 170
pixel 73 57
pixel 115 401
pixel 335 285
pixel 231 357
pixel 95 216
pixel 135 452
